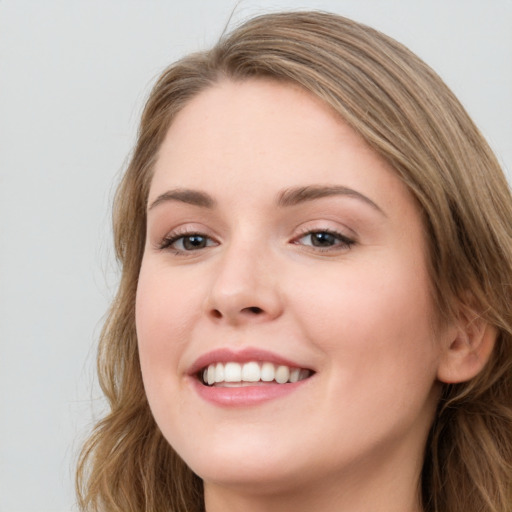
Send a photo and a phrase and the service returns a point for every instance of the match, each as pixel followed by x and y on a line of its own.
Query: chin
pixel 252 477
pixel 247 463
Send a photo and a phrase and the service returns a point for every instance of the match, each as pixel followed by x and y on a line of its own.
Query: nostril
pixel 253 309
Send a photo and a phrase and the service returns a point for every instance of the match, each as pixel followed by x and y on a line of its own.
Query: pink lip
pixel 247 395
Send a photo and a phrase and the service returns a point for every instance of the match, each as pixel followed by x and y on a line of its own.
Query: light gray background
pixel 73 77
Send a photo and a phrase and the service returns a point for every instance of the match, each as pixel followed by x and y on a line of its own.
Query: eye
pixel 325 239
pixel 187 242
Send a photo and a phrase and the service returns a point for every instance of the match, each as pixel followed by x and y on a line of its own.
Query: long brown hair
pixel 408 115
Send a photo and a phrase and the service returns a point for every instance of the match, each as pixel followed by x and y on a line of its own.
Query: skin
pixel 350 438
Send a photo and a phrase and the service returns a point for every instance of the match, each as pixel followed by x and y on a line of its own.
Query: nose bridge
pixel 245 284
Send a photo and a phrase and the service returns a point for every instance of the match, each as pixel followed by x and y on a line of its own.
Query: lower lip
pixel 247 395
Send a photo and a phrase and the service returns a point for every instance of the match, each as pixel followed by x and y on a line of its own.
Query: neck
pixel 365 490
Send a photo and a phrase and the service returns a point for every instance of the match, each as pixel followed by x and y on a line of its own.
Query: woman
pixel 314 309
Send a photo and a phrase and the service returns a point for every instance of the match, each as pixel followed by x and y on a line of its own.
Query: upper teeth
pixel 252 372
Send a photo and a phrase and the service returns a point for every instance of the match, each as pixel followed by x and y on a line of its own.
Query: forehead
pixel 261 134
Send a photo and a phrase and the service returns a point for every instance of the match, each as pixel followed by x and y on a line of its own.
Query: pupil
pixel 194 242
pixel 323 239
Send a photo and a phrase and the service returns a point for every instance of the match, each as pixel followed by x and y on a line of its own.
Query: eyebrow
pixel 287 198
pixel 297 195
pixel 185 195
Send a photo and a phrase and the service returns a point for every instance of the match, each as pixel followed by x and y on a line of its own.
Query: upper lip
pixel 225 355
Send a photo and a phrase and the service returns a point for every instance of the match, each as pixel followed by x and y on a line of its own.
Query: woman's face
pixel 280 246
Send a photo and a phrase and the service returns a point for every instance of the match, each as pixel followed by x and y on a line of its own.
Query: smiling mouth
pixel 253 373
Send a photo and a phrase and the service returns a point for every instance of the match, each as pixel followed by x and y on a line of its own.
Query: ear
pixel 467 349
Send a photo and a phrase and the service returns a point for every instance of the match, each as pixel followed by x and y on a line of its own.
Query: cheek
pixel 373 321
pixel 163 317
pixel 376 330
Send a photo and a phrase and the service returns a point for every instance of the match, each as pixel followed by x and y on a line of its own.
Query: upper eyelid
pixel 317 226
pixel 182 232
pixel 343 237
pixel 189 228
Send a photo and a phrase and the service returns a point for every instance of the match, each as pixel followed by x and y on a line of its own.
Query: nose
pixel 245 287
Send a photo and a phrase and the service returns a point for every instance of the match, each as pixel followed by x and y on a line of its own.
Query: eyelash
pixel 341 242
pixel 169 240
